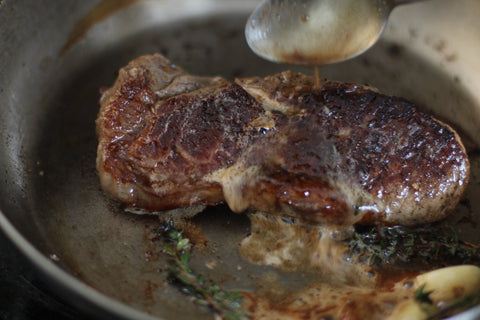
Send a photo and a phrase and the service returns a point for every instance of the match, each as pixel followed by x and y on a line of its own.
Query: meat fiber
pixel 336 154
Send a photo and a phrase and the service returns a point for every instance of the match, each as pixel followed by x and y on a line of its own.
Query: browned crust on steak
pixel 339 154
pixel 402 166
pixel 158 139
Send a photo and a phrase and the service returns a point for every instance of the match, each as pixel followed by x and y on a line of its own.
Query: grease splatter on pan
pixel 96 15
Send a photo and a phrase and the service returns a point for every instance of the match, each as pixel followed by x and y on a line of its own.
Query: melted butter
pixel 317 83
pixel 337 287
pixel 324 301
pixel 263 122
pixel 233 180
pixel 290 246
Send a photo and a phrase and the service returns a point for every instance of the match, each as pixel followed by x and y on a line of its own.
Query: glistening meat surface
pixel 336 154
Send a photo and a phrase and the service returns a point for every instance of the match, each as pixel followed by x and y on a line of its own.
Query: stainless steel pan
pixel 54 57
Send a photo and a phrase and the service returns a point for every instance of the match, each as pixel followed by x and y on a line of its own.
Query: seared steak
pixel 339 154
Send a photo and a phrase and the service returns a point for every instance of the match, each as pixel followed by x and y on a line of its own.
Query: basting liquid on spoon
pixel 316 32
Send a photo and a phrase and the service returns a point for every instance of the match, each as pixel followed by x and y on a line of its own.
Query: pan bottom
pixel 112 251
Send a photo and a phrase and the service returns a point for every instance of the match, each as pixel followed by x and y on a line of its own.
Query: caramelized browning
pixel 328 153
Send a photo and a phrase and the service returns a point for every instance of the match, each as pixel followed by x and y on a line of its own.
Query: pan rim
pixel 63 281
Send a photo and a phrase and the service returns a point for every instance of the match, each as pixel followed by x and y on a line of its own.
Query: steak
pixel 333 154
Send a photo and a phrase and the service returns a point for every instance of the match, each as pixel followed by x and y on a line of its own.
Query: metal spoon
pixel 316 32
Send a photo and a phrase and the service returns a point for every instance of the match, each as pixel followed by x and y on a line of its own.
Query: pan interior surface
pixel 50 191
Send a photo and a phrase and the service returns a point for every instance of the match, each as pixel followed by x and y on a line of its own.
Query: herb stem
pixel 225 304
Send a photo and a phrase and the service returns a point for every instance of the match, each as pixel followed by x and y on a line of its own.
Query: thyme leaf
pixel 423 297
pixel 225 304
pixel 438 246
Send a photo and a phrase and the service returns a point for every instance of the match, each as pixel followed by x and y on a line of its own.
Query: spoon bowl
pixel 316 32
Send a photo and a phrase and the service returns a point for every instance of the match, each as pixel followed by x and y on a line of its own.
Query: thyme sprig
pixel 225 304
pixel 438 246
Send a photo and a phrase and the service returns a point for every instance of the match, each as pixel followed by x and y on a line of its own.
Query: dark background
pixel 23 295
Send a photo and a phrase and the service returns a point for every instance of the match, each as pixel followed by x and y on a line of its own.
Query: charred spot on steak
pixel 335 154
